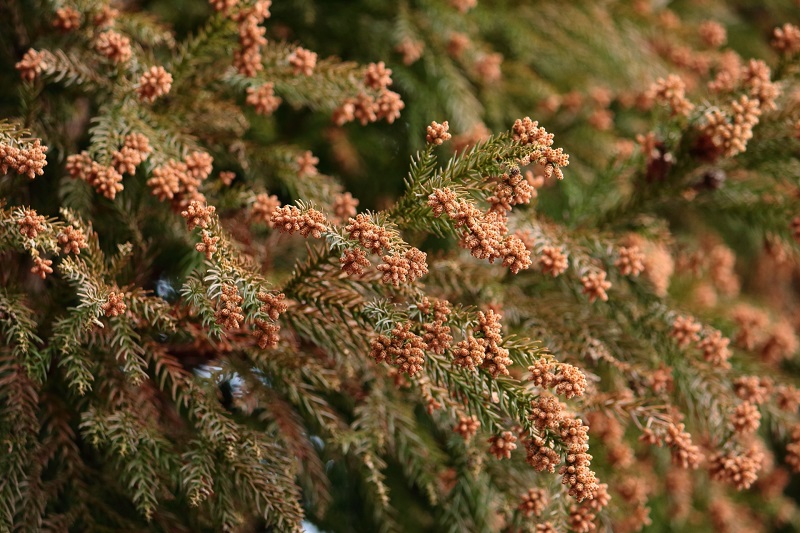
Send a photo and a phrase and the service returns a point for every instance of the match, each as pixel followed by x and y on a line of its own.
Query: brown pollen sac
pixel 31 223
pixel 354 261
pixel 229 313
pixel 71 240
pixel 196 214
pixel 42 267
pixel 437 133
pixel 154 83
pixel 467 427
pixel 114 304
pixel 502 445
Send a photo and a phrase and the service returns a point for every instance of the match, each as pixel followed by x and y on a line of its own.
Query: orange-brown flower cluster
pixel 467 427
pixel 263 98
pixel 208 245
pixel 114 46
pixel 502 445
pixel 553 261
pixel 630 261
pixel 165 181
pixel 751 322
pixel 303 61
pixel 437 134
pixel 31 223
pixel 781 343
pixel 684 453
pixel 752 389
pixel 739 470
pixel 135 149
pixel 366 108
pixel 371 236
pixel 542 374
pixel 71 240
pixel 512 189
pixel 568 380
pixel 457 44
pixel 546 412
pixel 658 262
pixel 154 83
pixel 729 135
pixel 67 19
pixel 27 160
pixel 495 360
pixel 41 267
pixel 541 455
pixel 306 164
pixel 114 304
pixel 527 131
pixel 229 313
pixel 671 92
pixel 354 261
pixel 745 418
pixel 223 6
pixel 469 353
pixel 32 64
pixel 198 167
pixel 267 333
pixel 437 335
pixel 377 76
pixel 786 39
pixel 227 177
pixel 463 5
pixel 582 518
pixel 290 219
pixel 274 304
pixel 793 449
pixel 533 502
pixel 576 473
pixel 595 285
pixel 485 235
pixel 105 180
pixel 247 59
pixel 410 50
pixel 715 349
pixel 787 398
pixel 487 67
pixel 105 17
pixel 402 348
pixel 399 268
pixel 344 206
pixel 179 182
pixel 263 208
pixel 712 33
pixel 197 214
pixel 685 331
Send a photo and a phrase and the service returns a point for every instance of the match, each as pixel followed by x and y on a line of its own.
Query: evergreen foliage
pixel 513 330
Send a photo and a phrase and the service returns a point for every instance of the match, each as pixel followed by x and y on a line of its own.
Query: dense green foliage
pixel 199 333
